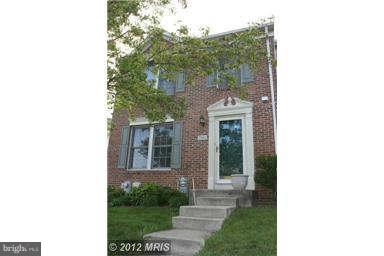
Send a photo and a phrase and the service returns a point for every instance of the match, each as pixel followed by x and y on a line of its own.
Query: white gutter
pixel 271 85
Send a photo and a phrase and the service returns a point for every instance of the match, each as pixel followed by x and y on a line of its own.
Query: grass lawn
pixel 134 222
pixel 248 231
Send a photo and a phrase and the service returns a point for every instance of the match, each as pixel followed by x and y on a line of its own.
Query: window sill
pixel 149 170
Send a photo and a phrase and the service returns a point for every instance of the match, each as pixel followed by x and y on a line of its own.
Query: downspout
pixel 271 85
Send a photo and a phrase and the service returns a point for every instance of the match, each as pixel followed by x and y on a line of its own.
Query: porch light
pixel 202 121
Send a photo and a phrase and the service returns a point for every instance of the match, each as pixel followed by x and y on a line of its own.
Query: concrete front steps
pixel 206 211
pixel 197 222
pixel 244 198
pixel 184 242
pixel 218 201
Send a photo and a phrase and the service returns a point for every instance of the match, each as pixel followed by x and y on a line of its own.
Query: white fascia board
pixel 143 120
pixel 238 31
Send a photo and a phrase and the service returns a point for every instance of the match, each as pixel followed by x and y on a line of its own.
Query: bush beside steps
pixel 147 195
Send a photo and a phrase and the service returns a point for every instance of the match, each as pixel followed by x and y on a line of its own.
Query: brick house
pixel 215 139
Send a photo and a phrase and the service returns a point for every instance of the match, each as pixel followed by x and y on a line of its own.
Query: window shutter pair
pixel 176 146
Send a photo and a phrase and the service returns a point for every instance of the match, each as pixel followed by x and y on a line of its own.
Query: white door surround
pixel 217 112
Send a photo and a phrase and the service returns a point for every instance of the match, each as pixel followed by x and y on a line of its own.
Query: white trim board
pixel 143 120
pixel 216 112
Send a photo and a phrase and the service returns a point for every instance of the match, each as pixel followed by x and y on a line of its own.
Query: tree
pixel 136 40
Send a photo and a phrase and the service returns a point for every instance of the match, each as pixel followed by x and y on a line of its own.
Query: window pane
pixel 155 162
pixel 162 146
pixel 139 148
pixel 230 146
pixel 167 86
pixel 139 157
pixel 163 134
pixel 150 75
pixel 140 137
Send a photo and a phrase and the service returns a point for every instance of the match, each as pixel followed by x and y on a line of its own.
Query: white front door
pixel 230 143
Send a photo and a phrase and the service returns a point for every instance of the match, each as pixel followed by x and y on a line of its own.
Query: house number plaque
pixel 202 137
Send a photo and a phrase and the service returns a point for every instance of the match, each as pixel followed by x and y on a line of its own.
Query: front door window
pixel 230 148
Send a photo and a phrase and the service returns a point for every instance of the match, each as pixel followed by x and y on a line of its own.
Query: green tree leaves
pixel 135 40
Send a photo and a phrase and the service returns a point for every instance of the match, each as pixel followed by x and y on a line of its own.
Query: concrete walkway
pixel 197 222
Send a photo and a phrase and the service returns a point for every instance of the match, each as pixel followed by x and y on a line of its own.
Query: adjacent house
pixel 219 135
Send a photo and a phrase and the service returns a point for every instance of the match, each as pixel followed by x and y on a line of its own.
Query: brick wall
pixel 194 152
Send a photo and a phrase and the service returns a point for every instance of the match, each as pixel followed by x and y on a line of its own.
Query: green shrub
pixel 150 200
pixel 165 194
pixel 114 193
pixel 178 200
pixel 266 173
pixel 120 201
pixel 149 194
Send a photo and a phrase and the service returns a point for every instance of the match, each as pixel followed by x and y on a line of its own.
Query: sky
pixel 219 16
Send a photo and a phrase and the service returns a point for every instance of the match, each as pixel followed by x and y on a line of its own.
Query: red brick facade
pixel 194 152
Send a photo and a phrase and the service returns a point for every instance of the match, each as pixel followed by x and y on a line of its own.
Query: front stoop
pixel 197 222
pixel 246 198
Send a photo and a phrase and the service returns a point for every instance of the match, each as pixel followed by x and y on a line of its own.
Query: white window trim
pixel 145 121
pixel 157 79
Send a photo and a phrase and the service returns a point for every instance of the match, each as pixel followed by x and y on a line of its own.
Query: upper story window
pixel 243 75
pixel 168 86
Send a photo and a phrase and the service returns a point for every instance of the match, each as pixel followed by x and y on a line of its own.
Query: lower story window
pixel 158 155
pixel 162 146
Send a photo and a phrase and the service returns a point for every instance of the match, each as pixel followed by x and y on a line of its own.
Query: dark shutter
pixel 246 74
pixel 180 82
pixel 212 79
pixel 122 162
pixel 176 145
